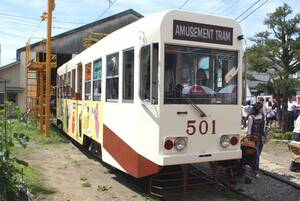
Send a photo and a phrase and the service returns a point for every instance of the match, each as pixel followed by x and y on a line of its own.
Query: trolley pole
pixel 48 65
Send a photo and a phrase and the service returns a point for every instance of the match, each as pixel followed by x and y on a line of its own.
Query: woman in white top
pixel 296 131
pixel 294 147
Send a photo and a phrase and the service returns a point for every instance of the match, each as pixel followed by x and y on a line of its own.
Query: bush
pixel 12 188
pixel 282 136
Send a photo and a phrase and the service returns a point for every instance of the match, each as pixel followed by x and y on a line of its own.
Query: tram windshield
pixel 199 74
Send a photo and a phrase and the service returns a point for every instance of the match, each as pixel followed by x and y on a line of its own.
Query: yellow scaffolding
pixel 38 75
pixel 37 102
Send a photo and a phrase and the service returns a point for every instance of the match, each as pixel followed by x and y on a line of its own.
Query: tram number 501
pixel 203 127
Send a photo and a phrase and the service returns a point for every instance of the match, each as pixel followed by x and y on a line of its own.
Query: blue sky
pixel 19 19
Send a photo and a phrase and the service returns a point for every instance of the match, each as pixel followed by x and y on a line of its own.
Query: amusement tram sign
pixel 191 31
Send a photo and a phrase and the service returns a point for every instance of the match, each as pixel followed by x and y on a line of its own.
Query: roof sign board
pixel 191 31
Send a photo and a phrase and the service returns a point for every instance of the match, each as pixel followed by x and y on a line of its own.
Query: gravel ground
pixel 65 168
pixel 276 159
pixel 268 189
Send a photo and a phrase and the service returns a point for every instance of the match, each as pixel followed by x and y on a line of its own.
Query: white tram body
pixel 154 93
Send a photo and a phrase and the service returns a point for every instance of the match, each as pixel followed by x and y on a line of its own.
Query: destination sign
pixel 191 31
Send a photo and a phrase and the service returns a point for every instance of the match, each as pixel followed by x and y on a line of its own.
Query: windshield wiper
pixel 187 99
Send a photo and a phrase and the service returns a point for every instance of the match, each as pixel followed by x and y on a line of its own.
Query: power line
pixel 12 34
pixel 111 4
pixel 217 7
pixel 230 6
pixel 247 9
pixel 254 10
pixel 186 1
pixel 36 19
pixel 29 24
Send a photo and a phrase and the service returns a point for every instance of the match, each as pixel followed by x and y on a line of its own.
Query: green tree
pixel 277 52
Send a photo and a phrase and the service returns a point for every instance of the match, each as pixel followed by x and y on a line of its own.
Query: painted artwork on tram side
pixel 59 108
pixel 92 119
pixel 65 115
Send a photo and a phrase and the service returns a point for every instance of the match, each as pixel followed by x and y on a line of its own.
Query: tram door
pixel 79 102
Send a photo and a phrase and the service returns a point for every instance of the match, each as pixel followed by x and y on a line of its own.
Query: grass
pixel 282 136
pixel 103 188
pixel 18 150
pixel 37 136
pixel 86 184
pixel 33 178
pixel 32 174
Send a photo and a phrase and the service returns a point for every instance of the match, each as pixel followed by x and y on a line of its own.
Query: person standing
pixel 290 116
pixel 256 129
pixel 294 146
pixel 245 113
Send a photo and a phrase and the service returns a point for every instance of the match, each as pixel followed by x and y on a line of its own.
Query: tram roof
pixel 150 25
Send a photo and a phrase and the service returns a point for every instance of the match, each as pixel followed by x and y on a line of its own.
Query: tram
pixel 164 90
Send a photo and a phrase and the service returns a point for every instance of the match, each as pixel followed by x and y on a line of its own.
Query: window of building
pixel 87 84
pixel 97 77
pixel 128 75
pixel 12 97
pixel 2 100
pixel 112 77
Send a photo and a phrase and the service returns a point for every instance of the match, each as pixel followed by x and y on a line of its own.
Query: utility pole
pixel 51 5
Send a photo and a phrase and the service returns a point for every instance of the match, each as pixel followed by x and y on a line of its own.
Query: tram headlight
pixel 225 141
pixel 180 143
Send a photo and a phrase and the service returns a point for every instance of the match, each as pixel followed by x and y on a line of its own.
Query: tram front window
pixel 199 74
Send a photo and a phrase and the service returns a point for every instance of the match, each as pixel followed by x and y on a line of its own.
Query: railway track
pixel 281 179
pixel 222 186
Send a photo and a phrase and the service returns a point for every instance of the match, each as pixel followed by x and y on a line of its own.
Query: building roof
pixel 9 65
pixel 92 24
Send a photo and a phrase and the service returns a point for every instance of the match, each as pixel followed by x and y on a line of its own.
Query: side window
pixel 97 77
pixel 79 81
pixel 69 85
pixel 112 77
pixel 61 86
pixel 128 75
pixel 73 83
pixel 145 73
pixel 87 84
pixel 57 86
pixel 149 73
pixel 154 88
pixel 65 85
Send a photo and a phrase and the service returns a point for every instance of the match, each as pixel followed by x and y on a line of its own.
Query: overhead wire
pixel 254 10
pixel 184 3
pixel 248 9
pixel 109 7
pixel 36 19
pixel 29 24
pixel 225 10
pixel 214 8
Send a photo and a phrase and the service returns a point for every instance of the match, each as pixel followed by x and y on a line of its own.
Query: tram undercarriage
pixel 189 178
